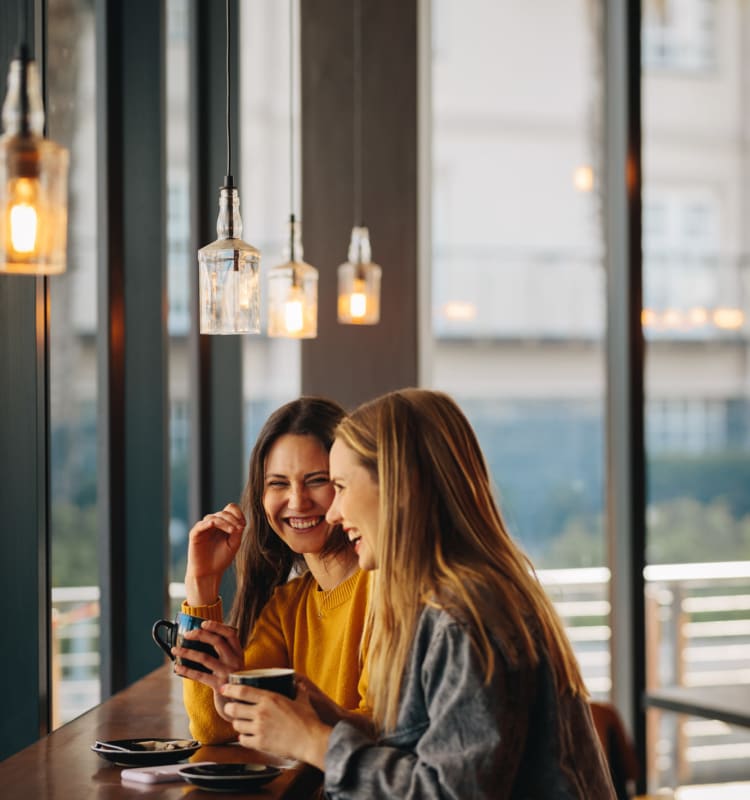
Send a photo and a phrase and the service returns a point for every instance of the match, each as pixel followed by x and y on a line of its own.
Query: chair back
pixel 618 748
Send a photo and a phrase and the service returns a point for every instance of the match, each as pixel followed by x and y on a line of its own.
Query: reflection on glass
pixel 180 265
pixel 695 321
pixel 270 365
pixel 71 112
pixel 518 282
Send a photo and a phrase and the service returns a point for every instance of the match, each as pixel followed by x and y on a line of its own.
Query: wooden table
pixel 730 704
pixel 62 766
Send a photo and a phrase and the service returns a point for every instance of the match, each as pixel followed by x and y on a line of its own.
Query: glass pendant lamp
pixel 229 284
pixel 33 180
pixel 293 292
pixel 293 285
pixel 359 283
pixel 229 281
pixel 358 277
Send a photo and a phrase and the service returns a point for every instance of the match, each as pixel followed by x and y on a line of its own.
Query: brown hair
pixel 264 561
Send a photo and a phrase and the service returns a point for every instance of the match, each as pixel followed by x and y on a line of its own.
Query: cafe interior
pixel 535 207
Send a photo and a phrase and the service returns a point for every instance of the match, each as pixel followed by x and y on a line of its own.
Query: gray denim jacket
pixel 458 738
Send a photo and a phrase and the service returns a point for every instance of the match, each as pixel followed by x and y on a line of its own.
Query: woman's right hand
pixel 212 545
pixel 230 656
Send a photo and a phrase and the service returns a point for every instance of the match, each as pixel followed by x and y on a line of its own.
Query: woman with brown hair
pixel 312 623
pixel 474 687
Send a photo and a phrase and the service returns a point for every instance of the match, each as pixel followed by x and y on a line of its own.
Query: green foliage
pixel 706 478
pixel 581 544
pixel 74 545
pixel 679 531
pixel 686 530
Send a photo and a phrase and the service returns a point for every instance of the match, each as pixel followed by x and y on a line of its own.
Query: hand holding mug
pixel 203 650
pixel 269 721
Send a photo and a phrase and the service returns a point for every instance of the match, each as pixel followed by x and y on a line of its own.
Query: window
pixel 695 321
pixel 518 283
pixel 180 262
pixel 73 373
pixel 679 35
pixel 271 367
pixel 683 262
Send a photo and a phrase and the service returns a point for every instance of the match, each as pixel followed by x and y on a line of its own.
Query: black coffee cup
pixel 273 679
pixel 175 637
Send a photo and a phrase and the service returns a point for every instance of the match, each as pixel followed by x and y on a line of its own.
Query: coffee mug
pixel 175 637
pixel 273 679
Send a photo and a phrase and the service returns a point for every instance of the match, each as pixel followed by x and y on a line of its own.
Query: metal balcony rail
pixel 698 618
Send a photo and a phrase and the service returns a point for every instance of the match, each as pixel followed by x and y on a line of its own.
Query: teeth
pixel 303 523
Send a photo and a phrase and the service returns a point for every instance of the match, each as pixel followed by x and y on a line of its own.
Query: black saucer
pixel 229 777
pixel 146 752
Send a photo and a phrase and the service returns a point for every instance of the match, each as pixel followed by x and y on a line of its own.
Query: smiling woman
pixel 474 687
pixel 312 623
pixel 355 506
pixel 297 492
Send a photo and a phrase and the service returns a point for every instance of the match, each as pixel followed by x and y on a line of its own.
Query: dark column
pixel 348 362
pixel 24 479
pixel 626 503
pixel 134 457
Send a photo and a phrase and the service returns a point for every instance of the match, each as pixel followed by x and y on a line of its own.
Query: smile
pixel 303 523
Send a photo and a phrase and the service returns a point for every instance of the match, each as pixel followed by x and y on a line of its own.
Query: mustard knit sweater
pixel 315 632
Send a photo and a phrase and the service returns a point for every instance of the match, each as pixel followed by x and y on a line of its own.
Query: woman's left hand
pixel 275 724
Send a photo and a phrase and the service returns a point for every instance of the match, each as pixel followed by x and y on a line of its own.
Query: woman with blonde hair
pixel 474 687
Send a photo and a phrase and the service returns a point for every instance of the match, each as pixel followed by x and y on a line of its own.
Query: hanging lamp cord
pixel 357 115
pixel 228 181
pixel 292 257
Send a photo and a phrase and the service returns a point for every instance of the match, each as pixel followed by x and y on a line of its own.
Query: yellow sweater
pixel 317 633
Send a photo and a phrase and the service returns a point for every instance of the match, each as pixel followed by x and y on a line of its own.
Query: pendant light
pixel 293 285
pixel 229 284
pixel 358 277
pixel 33 179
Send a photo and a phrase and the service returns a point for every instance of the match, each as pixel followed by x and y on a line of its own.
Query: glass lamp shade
pixel 359 283
pixel 33 181
pixel 293 294
pixel 229 282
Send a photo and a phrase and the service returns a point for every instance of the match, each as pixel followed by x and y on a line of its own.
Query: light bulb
pixel 358 300
pixel 24 219
pixel 293 318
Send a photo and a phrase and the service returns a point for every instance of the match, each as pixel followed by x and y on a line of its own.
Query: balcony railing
pixel 504 293
pixel 698 629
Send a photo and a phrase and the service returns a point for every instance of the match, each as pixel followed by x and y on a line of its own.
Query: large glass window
pixel 518 279
pixel 180 262
pixel 71 119
pixel 271 367
pixel 695 321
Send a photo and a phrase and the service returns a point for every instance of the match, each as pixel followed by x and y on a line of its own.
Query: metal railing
pixel 698 632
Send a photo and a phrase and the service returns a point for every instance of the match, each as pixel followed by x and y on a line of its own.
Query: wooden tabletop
pixel 730 704
pixel 62 766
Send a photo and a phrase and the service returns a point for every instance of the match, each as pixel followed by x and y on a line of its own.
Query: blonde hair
pixel 442 542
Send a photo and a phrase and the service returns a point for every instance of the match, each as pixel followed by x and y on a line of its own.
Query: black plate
pixel 143 752
pixel 229 777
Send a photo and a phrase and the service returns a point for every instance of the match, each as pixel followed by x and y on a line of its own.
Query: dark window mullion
pixel 24 473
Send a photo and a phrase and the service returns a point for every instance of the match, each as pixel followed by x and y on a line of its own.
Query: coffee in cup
pixel 174 636
pixel 273 679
